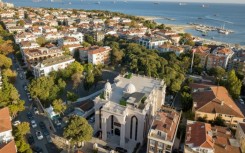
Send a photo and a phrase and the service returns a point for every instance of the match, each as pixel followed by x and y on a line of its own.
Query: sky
pixel 202 1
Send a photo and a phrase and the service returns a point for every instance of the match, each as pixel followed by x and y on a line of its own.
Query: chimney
pixel 222 103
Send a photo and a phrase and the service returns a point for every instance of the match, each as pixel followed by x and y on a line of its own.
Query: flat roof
pixel 142 84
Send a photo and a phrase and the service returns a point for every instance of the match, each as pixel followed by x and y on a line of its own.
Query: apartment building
pixel 213 101
pixel 203 138
pixel 152 42
pixel 95 54
pixel 203 52
pixel 161 136
pixel 52 64
pixel 33 56
pixel 219 57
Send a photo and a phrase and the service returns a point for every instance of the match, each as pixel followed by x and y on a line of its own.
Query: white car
pixel 35 110
pixel 33 123
pixel 39 135
pixel 16 123
pixel 241 101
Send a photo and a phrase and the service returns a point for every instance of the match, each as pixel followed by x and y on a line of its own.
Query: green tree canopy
pixel 41 41
pixel 5 62
pixel 46 88
pixel 233 84
pixel 217 72
pixel 59 106
pixel 78 130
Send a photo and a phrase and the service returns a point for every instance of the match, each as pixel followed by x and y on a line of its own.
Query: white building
pixel 125 113
pixel 161 137
pixel 152 42
pixel 52 64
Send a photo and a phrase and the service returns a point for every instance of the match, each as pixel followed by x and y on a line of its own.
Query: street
pixel 22 116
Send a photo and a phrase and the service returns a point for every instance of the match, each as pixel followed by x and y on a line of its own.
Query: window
pixel 160 150
pixel 159 133
pixel 168 147
pixel 160 145
pixel 152 148
pixel 152 142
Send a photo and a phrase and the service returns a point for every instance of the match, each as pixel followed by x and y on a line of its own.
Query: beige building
pixel 161 137
pixel 125 111
pixel 99 55
pixel 33 56
pixel 203 52
pixel 213 101
pixel 203 138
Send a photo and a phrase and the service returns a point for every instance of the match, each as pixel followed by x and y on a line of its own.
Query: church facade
pixel 126 108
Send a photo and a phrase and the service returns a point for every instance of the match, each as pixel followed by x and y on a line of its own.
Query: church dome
pixel 108 86
pixel 130 88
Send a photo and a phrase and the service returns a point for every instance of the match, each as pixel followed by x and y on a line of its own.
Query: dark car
pixel 45 132
pixel 107 148
pixel 42 125
pixel 121 150
pixel 30 116
pixel 98 134
pixel 30 139
pixel 37 149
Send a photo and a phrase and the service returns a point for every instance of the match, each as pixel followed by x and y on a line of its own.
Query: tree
pixel 219 121
pixel 217 72
pixel 46 88
pixel 89 39
pixel 21 23
pixel 6 47
pixel 16 107
pixel 186 101
pixel 116 55
pixel 22 129
pixel 233 84
pixel 88 81
pixel 59 106
pixel 78 130
pixel 41 41
pixel 86 44
pixel 5 62
pixel 71 96
pixel 76 78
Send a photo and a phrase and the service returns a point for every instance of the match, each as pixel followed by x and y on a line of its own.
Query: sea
pixel 228 16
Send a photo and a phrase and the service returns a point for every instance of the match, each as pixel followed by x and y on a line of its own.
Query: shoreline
pixel 181 28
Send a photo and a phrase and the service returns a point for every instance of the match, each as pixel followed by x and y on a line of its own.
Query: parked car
pixel 16 123
pixel 30 116
pixel 39 135
pixel 37 149
pixel 30 139
pixel 29 98
pixel 121 150
pixel 35 110
pixel 42 125
pixel 33 124
pixel 45 132
pixel 107 148
pixel 241 101
pixel 98 134
pixel 91 120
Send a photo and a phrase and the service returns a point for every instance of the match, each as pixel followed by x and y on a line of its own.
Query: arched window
pixel 136 127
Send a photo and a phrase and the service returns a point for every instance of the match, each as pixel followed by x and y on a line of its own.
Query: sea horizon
pixel 214 14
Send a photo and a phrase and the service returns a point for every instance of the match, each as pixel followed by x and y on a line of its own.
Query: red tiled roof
pixel 5 120
pixel 215 99
pixel 8 148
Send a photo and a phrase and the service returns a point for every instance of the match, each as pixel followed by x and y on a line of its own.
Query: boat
pixel 69 3
pixel 97 2
pixel 182 4
pixel 156 3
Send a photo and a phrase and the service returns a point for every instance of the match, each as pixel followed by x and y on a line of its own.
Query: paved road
pixel 19 83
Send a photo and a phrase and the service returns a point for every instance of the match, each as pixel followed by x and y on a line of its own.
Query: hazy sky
pixel 203 1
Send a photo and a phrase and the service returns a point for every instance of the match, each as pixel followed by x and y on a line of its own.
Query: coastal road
pixel 22 116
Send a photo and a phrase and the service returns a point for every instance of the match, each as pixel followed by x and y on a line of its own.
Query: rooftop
pixel 166 121
pixel 142 84
pixel 219 139
pixel 8 147
pixel 55 60
pixel 5 120
pixel 212 99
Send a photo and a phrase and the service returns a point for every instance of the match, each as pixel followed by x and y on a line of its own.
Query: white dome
pixel 108 86
pixel 130 88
